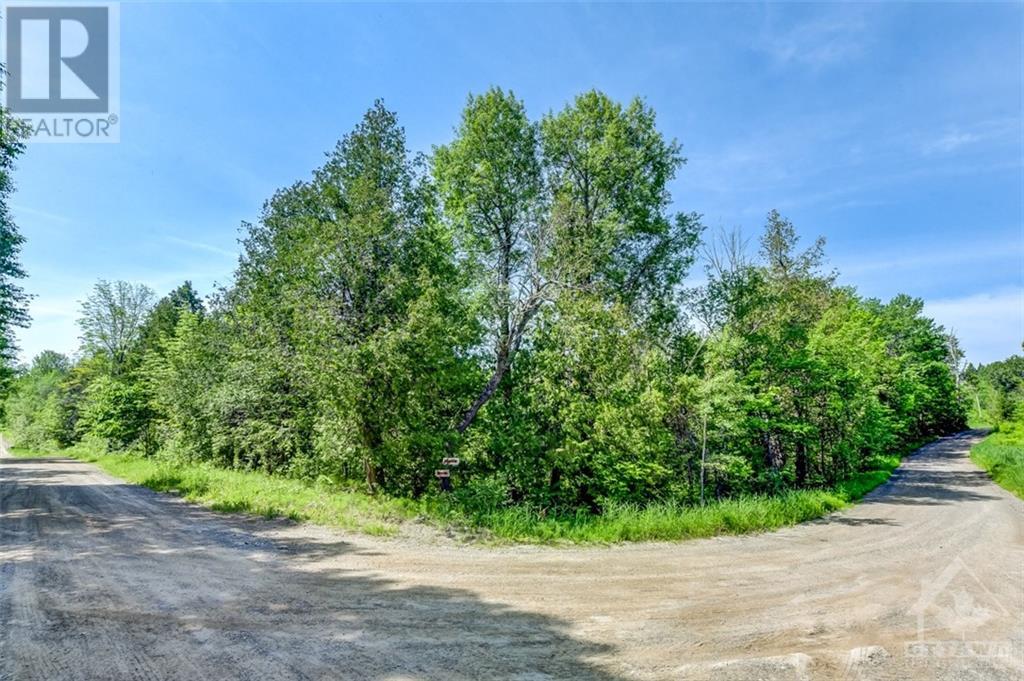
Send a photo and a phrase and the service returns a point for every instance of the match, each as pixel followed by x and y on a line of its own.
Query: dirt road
pixel 103 580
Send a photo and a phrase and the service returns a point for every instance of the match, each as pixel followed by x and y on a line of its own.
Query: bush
pixel 1002 455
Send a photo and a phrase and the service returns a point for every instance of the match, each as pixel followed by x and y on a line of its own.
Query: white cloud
pixel 990 325
pixel 818 43
pixel 951 254
pixel 54 325
pixel 200 246
pixel 957 137
pixel 20 210
pixel 951 141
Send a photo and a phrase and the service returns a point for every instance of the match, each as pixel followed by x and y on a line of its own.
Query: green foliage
pixel 162 321
pixel 1002 455
pixel 516 300
pixel 33 410
pixel 249 492
pixel 111 321
pixel 13 299
pixel 609 168
pixel 115 410
pixel 477 510
pixel 995 392
pixel 177 374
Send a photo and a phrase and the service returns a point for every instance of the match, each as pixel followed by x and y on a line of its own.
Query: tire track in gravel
pixel 104 580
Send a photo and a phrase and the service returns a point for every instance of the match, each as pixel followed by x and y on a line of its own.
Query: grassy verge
pixel 976 421
pixel 667 522
pixel 1002 455
pixel 252 492
pixel 270 496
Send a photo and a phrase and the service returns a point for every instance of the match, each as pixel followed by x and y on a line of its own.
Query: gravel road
pixel 104 580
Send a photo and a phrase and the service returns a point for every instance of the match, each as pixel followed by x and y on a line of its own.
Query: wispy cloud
pixel 950 254
pixel 200 246
pixel 817 43
pixel 958 137
pixel 990 325
pixel 951 141
pixel 51 307
pixel 20 209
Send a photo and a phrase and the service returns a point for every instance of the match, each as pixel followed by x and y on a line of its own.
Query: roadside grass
pixel 668 522
pixel 976 420
pixel 251 492
pixel 271 496
pixel 662 521
pixel 1002 455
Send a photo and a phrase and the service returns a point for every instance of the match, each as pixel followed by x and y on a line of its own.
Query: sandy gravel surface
pixel 103 580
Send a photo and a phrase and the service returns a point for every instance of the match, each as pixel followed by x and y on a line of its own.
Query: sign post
pixel 445 478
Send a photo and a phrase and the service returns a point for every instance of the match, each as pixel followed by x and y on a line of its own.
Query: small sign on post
pixel 450 461
pixel 444 476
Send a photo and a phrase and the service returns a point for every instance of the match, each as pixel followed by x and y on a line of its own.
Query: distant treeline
pixel 515 299
pixel 996 392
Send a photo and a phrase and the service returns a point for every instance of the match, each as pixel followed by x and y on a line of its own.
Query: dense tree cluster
pixel 516 299
pixel 13 299
pixel 996 391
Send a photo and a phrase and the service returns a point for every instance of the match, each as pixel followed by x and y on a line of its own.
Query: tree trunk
pixel 371 441
pixel 486 394
pixel 703 456
pixel 371 474
pixel 772 451
pixel 801 464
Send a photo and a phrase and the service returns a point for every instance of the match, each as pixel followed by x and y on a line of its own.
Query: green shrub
pixel 1002 455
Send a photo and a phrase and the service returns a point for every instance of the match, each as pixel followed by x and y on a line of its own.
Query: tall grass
pixel 1002 455
pixel 252 492
pixel 667 522
pixel 271 496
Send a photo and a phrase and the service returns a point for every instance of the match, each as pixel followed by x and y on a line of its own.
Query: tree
pixel 179 378
pixel 574 206
pixel 519 297
pixel 116 410
pixel 13 299
pixel 490 182
pixel 112 318
pixel 33 414
pixel 382 308
pixel 346 324
pixel 162 319
pixel 50 361
pixel 997 390
pixel 608 168
pixel 717 409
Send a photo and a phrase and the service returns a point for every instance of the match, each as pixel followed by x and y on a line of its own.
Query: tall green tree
pixel 13 299
pixel 346 319
pixel 33 414
pixel 608 168
pixel 112 318
pixel 519 299
pixel 162 320
pixel 491 185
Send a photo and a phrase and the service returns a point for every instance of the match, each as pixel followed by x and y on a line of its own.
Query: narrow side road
pixel 103 580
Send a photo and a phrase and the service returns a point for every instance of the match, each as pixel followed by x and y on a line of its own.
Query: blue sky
pixel 894 130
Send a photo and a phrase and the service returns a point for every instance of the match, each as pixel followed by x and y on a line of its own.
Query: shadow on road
pixel 929 481
pixel 101 581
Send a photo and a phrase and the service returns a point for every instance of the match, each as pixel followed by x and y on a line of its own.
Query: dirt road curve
pixel 102 580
